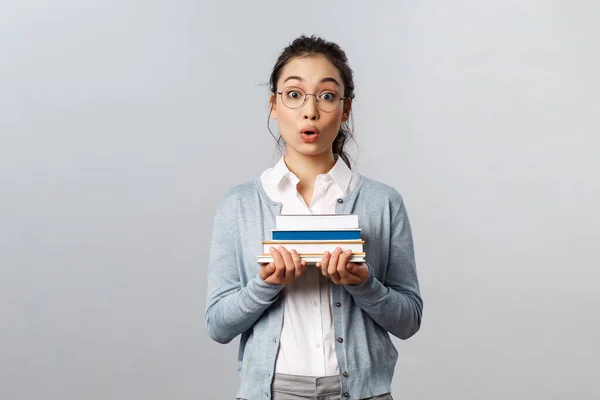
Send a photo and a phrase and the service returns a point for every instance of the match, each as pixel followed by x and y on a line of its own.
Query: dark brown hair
pixel 313 45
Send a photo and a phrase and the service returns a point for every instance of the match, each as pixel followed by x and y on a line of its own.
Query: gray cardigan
pixel 239 302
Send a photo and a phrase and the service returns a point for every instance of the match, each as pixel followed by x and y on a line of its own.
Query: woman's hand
pixel 336 267
pixel 285 267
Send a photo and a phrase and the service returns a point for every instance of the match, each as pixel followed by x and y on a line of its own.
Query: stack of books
pixel 311 235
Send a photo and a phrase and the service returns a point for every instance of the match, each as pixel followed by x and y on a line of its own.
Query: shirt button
pixel 340 340
pixel 314 303
pixel 318 345
pixel 340 201
pixel 338 304
pixel 345 374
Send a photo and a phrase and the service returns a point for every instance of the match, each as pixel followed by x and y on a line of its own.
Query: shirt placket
pixel 316 208
pixel 321 186
pixel 318 324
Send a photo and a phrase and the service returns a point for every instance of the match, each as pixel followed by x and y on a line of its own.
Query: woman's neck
pixel 306 168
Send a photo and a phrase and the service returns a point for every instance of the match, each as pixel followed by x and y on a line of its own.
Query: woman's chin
pixel 311 150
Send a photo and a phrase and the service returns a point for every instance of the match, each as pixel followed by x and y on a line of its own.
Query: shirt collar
pixel 340 173
pixel 281 171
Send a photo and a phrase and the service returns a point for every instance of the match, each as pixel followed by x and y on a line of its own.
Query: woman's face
pixel 311 74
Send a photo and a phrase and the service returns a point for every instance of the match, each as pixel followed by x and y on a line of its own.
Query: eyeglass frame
pixel 311 94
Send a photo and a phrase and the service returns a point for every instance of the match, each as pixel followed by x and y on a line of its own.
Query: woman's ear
pixel 347 107
pixel 272 107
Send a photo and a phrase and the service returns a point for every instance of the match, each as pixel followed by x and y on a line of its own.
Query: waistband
pixel 306 385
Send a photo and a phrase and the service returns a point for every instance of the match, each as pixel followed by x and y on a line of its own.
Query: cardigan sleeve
pixel 230 308
pixel 396 303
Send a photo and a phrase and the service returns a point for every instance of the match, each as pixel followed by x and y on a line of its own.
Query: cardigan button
pixel 338 304
pixel 346 394
pixel 340 201
pixel 345 374
pixel 340 340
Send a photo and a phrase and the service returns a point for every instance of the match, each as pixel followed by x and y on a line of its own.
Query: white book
pixel 315 246
pixel 312 258
pixel 316 221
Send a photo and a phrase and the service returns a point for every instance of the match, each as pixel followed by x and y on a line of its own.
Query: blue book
pixel 349 234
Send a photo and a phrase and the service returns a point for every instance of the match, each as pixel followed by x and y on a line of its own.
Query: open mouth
pixel 309 136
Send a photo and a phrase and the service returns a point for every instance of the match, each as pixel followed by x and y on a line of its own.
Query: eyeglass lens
pixel 294 97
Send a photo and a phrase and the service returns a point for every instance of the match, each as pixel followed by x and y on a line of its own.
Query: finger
pixel 279 264
pixel 297 262
pixel 361 270
pixel 319 265
pixel 351 267
pixel 348 270
pixel 347 274
pixel 357 273
pixel 269 268
pixel 333 261
pixel 336 266
pixel 304 265
pixel 336 278
pixel 343 260
pixel 288 262
pixel 266 270
pixel 324 262
pixel 355 268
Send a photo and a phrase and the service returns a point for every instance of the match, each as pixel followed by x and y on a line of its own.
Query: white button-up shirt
pixel 307 345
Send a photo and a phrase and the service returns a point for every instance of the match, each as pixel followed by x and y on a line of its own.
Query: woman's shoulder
pixel 241 190
pixel 240 193
pixel 372 189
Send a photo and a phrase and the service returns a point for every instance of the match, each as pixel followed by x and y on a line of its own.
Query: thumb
pixel 352 268
pixel 270 268
pixel 266 270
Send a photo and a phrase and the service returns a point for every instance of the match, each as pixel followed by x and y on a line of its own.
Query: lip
pixel 309 138
pixel 310 129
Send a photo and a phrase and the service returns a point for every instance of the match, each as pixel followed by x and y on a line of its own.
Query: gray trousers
pixel 293 387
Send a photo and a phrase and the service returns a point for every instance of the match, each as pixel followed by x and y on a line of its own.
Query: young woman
pixel 312 332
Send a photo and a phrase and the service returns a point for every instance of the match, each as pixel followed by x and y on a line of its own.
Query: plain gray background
pixel 122 124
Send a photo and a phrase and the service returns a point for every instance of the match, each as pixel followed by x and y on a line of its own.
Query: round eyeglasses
pixel 294 97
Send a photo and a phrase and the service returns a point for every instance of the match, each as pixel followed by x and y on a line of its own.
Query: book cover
pixel 316 221
pixel 312 258
pixel 314 246
pixel 330 234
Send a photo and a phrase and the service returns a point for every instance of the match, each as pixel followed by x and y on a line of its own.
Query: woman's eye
pixel 328 96
pixel 293 94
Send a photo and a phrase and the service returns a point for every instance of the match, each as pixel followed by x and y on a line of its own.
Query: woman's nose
pixel 310 109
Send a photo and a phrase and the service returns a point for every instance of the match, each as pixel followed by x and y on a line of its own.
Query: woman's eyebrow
pixel 330 79
pixel 326 79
